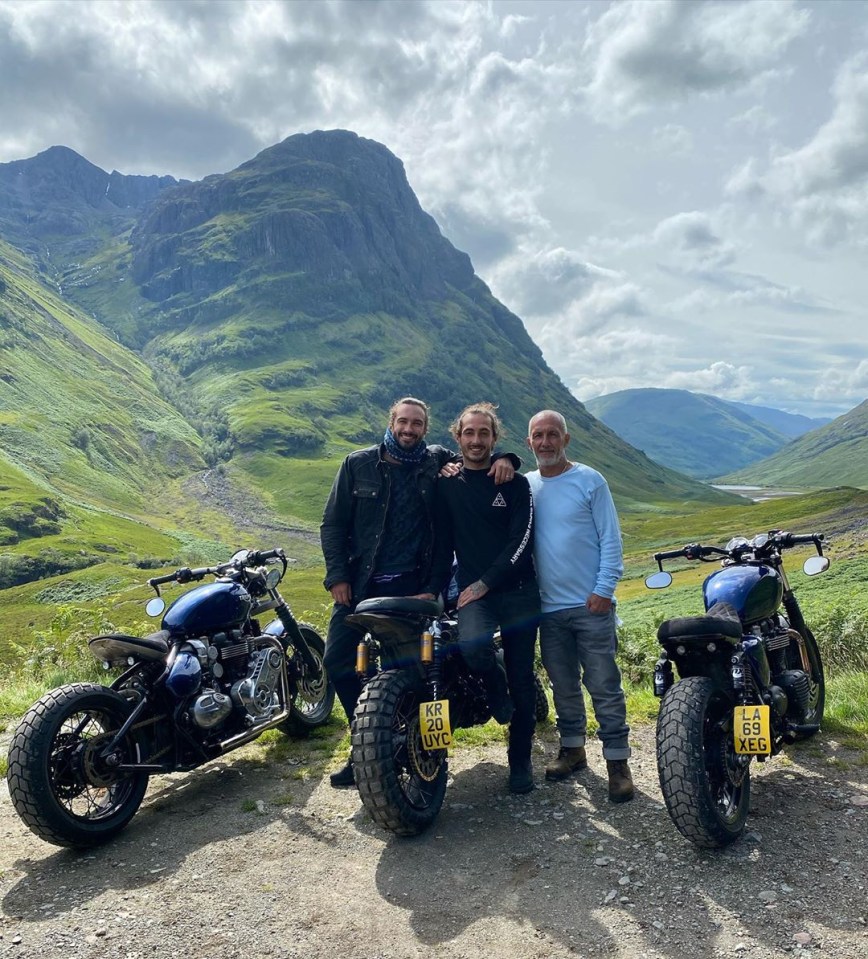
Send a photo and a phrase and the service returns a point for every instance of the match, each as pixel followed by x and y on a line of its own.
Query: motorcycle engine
pixel 244 675
pixel 256 693
pixel 797 687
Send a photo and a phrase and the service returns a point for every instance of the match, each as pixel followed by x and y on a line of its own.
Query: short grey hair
pixel 550 413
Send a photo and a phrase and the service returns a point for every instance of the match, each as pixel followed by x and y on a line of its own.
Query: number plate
pixel 434 724
pixel 751 730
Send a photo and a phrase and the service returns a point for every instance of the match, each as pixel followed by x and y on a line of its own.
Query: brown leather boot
pixel 620 780
pixel 570 760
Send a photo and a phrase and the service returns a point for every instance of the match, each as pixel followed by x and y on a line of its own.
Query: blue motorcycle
pixel 750 681
pixel 209 680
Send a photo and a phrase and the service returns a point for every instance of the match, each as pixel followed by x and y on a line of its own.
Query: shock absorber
pixel 362 655
pixel 663 678
pixel 432 637
pixel 739 680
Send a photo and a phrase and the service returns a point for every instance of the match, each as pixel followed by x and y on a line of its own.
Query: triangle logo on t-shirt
pixel 499 500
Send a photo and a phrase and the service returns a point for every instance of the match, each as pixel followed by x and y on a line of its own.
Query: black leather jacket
pixel 355 513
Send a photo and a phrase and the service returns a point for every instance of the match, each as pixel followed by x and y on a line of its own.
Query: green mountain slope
pixel 834 455
pixel 695 434
pixel 80 410
pixel 286 304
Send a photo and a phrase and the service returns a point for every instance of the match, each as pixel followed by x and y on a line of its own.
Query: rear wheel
pixel 315 695
pixel 62 782
pixel 705 784
pixel 401 784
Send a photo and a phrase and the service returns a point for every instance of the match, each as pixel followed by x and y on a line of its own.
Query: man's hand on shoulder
pixel 598 604
pixel 450 469
pixel 502 470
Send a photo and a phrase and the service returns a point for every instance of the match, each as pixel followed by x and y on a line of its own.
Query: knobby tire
pixel 706 793
pixel 401 785
pixel 59 783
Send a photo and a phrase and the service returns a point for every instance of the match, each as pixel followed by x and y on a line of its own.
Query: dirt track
pixel 244 858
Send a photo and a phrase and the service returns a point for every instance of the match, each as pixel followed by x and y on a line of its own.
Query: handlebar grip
pixel 796 539
pixel 671 554
pixel 260 556
pixel 159 580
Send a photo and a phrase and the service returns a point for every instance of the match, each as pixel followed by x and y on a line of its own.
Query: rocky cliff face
pixel 332 206
pixel 59 194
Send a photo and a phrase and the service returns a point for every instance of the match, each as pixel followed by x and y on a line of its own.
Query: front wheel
pixel 312 704
pixel 401 784
pixel 816 682
pixel 705 784
pixel 62 782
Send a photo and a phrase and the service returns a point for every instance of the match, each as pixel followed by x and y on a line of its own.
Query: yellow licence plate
pixel 751 730
pixel 434 724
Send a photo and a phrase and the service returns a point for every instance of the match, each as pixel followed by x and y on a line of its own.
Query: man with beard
pixel 377 535
pixel 578 556
pixel 490 530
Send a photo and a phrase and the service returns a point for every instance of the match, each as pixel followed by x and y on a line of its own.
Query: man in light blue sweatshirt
pixel 578 559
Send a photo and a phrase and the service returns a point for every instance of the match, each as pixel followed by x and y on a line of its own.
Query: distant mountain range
pixel 833 455
pixel 261 321
pixel 696 434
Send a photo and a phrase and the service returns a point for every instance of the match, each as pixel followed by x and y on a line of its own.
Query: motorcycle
pixel 418 689
pixel 209 681
pixel 750 681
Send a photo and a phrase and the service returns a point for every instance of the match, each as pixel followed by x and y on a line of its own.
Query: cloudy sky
pixel 669 194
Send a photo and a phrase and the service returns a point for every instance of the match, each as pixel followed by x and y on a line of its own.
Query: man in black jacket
pixel 490 530
pixel 377 535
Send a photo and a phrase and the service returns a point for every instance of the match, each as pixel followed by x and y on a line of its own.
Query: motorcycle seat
pixel 721 622
pixel 401 606
pixel 117 647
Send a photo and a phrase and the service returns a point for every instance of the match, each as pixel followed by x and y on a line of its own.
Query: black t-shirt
pixel 488 527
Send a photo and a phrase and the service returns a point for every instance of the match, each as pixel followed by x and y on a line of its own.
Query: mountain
pixel 833 455
pixel 788 424
pixel 259 321
pixel 698 435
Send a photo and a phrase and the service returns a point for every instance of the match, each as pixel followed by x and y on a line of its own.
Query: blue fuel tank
pixel 207 609
pixel 754 591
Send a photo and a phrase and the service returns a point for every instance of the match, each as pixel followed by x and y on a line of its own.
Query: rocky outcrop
pixel 331 205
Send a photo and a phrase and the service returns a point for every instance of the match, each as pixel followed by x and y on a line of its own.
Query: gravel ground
pixel 251 858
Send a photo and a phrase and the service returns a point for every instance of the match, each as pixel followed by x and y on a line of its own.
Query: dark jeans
pixel 517 613
pixel 579 647
pixel 343 640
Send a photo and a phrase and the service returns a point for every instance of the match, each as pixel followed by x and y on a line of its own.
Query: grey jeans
pixel 579 647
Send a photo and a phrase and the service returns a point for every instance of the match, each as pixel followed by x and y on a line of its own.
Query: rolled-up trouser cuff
pixel 572 742
pixel 616 752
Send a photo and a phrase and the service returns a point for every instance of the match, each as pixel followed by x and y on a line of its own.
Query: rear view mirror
pixel 659 580
pixel 155 606
pixel 816 564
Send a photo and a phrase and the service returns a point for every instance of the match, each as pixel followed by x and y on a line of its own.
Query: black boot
pixel 344 777
pixel 497 694
pixel 520 775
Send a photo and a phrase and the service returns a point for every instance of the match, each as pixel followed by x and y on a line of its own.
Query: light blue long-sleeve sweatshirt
pixel 577 540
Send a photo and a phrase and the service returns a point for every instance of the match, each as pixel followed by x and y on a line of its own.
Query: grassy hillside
pixel 695 434
pixel 835 454
pixel 80 410
pixel 285 305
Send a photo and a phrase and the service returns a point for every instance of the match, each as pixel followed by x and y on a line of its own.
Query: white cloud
pixel 645 54
pixel 821 188
pixel 691 239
